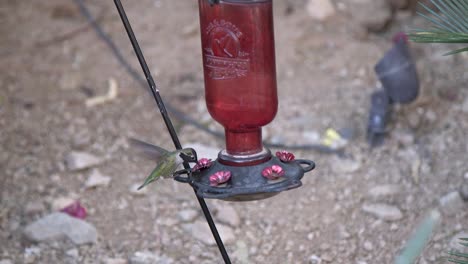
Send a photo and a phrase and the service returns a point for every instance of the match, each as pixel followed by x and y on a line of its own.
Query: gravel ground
pixel 356 208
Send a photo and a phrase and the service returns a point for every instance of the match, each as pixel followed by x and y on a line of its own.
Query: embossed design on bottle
pixel 224 58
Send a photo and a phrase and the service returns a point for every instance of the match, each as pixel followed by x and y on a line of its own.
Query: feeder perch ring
pixel 247 182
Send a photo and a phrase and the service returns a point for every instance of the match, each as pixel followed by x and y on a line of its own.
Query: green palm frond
pixel 459 258
pixel 449 25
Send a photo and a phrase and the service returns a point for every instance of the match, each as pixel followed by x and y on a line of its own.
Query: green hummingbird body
pixel 168 160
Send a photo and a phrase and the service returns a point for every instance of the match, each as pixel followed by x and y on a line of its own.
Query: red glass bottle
pixel 240 72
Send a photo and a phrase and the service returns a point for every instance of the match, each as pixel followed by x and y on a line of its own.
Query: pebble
pixel 345 165
pixel 77 160
pixel 145 257
pixel 451 203
pixel 414 119
pixel 314 259
pixel 466 175
pixel 312 137
pixel 187 215
pixel 383 191
pixel 57 225
pixel 73 253
pixel 403 137
pixel 34 207
pixel 383 211
pixel 464 192
pixel 201 231
pixel 227 214
pixel 61 202
pixel 96 179
pixel 6 261
pixel 320 9
pixel 31 253
pixel 115 261
pixel 380 10
pixel 465 105
pixel 241 254
pixel 327 257
pixel 368 246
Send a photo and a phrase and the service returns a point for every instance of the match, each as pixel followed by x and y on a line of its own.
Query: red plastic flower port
pixel 285 156
pixel 203 163
pixel 76 210
pixel 272 173
pixel 220 177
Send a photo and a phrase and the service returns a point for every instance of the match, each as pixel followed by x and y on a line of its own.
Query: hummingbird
pixel 168 160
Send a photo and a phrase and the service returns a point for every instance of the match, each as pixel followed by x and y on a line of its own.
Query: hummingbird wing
pixel 164 169
pixel 147 150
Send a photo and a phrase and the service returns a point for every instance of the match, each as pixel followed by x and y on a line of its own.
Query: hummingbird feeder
pixel 240 86
pixel 238 49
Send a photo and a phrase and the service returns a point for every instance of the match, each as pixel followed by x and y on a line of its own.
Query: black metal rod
pixel 167 121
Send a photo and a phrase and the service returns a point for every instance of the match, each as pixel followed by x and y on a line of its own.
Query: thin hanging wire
pixel 167 121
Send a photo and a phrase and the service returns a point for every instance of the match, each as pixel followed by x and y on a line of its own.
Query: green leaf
pixel 449 22
pixel 458 261
pixel 457 254
pixel 451 53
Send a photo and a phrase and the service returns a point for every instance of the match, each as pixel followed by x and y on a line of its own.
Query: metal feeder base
pixel 247 183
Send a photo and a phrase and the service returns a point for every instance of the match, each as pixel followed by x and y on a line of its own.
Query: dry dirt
pixel 325 78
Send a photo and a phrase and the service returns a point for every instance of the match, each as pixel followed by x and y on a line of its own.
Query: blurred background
pixel 67 108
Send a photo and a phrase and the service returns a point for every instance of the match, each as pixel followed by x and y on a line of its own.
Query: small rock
pixel 58 225
pixel 327 257
pixel 464 192
pixel 187 215
pixel 96 179
pixel 430 116
pixel 455 242
pixel 145 257
pixel 383 211
pixel 380 10
pixel 134 190
pixel 451 203
pixel 403 137
pixel 382 191
pixel 368 246
pixel 414 119
pixel 228 215
pixel 465 106
pixel 314 259
pixel 115 261
pixel 312 137
pixel 466 175
pixel 73 253
pixel 34 207
pixel 61 202
pixel 77 160
pixel 201 231
pixel 31 253
pixel 6 261
pixel 242 252
pixel 320 9
pixel 345 165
